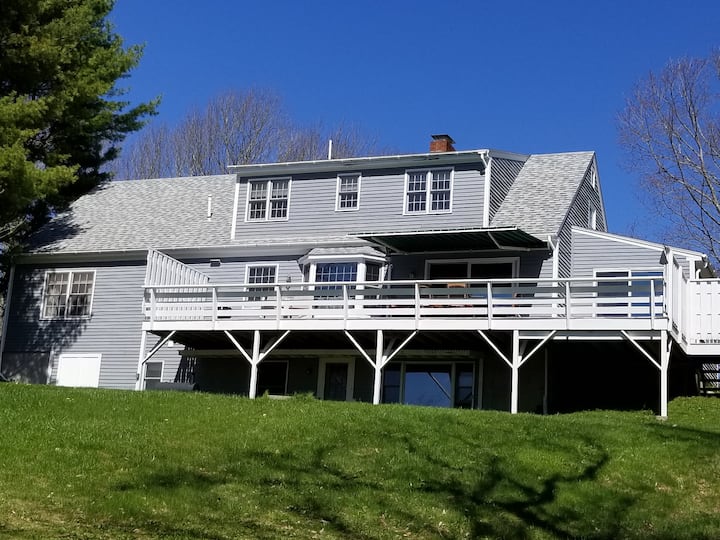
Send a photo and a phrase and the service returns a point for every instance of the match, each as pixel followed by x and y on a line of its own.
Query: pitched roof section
pixel 541 195
pixel 139 214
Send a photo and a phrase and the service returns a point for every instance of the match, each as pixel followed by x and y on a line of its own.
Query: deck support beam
pixel 141 356
pixel 145 357
pixel 515 367
pixel 378 368
pixel 665 346
pixel 662 365
pixel 252 390
pixel 383 355
pixel 257 356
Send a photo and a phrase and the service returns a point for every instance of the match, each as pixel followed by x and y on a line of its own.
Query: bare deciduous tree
pixel 235 128
pixel 669 129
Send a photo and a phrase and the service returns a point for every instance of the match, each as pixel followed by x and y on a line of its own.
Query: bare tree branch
pixel 669 130
pixel 235 128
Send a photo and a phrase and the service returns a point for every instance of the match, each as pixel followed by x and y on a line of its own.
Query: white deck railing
pixel 701 317
pixel 532 299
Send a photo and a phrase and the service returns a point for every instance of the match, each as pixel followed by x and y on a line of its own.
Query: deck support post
pixel 252 390
pixel 141 357
pixel 545 385
pixel 378 368
pixel 145 357
pixel 515 367
pixel 664 365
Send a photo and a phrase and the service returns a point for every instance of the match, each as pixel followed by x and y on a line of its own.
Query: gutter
pixel 139 254
pixel 371 162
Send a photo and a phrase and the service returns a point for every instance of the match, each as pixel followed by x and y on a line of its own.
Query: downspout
pixel 6 314
pixel 487 162
pixel 554 245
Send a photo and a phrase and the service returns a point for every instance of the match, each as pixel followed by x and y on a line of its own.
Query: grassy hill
pixel 109 464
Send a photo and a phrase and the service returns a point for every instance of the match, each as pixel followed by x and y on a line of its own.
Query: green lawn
pixel 111 464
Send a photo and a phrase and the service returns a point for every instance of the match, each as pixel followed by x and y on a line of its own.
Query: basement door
pixel 79 370
pixel 336 379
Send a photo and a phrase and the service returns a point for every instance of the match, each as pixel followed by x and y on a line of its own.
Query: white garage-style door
pixel 79 370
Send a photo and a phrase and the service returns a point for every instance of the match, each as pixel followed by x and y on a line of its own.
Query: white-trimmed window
pixel 68 294
pixel 259 274
pixel 336 271
pixel 153 375
pixel 268 200
pixel 428 191
pixel 348 192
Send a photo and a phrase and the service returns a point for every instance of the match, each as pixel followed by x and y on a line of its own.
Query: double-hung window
pixel 348 192
pixel 268 200
pixel 428 191
pixel 258 275
pixel 68 295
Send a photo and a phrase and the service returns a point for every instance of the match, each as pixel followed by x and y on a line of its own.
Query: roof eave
pixel 372 162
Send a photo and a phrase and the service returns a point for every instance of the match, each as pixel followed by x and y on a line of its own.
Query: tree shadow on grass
pixel 496 499
pixel 497 493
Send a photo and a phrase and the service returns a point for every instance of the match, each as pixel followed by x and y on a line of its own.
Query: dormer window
pixel 268 200
pixel 428 191
pixel 348 192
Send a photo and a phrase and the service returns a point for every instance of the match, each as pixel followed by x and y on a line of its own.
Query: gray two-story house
pixel 479 279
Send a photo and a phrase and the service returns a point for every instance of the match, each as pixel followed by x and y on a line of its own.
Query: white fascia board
pixel 358 163
pixel 372 162
pixel 512 156
pixel 638 242
pixel 82 256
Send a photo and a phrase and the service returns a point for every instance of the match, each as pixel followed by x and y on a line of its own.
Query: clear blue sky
pixel 527 76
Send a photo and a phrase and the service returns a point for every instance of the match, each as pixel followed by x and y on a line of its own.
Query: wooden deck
pixel 531 304
pixel 688 309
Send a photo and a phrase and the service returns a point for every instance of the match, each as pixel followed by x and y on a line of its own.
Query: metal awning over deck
pixel 455 240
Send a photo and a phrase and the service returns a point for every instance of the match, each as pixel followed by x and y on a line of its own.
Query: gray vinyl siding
pixel 232 269
pixel 578 216
pixel 503 173
pixel 590 253
pixel 114 328
pixel 382 200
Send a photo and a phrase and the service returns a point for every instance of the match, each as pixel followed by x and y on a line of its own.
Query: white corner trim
pixel 236 203
pixel 486 194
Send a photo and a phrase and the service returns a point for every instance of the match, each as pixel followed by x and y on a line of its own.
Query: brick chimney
pixel 442 143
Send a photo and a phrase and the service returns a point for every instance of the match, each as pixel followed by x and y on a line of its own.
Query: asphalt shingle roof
pixel 140 214
pixel 541 194
pixel 169 213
